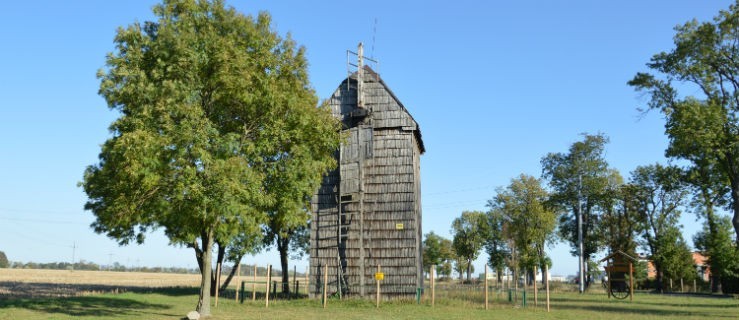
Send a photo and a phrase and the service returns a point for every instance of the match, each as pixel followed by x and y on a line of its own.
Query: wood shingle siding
pixel 368 211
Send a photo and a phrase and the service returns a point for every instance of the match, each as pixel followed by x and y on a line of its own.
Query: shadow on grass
pixel 19 290
pixel 659 309
pixel 85 306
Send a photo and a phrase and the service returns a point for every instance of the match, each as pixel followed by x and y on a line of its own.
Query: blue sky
pixel 494 85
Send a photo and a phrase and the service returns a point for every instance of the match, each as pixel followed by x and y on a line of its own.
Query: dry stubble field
pixel 59 283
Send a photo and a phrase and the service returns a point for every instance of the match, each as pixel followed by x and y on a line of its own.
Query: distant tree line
pixel 639 215
pixel 580 191
pixel 246 270
pixel 91 266
pixel 4 263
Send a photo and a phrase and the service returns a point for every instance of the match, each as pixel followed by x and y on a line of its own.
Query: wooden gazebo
pixel 618 265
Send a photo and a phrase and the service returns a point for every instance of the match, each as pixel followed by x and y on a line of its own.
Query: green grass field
pixel 175 303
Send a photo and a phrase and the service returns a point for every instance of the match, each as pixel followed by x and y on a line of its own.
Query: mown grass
pixel 175 303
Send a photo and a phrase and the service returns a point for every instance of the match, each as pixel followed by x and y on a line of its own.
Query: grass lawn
pixel 175 303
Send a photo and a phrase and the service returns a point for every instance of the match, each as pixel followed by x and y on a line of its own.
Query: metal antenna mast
pixel 374 32
pixel 74 247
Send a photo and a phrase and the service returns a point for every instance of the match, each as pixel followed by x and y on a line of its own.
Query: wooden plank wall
pixel 379 178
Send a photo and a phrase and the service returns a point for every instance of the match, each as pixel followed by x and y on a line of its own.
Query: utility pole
pixel 74 247
pixel 579 236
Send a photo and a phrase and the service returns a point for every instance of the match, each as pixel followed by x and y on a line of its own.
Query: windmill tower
pixel 367 212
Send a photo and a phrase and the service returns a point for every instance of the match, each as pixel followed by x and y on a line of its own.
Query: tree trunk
pixel 733 174
pixel 282 246
pixel 469 269
pixel 735 203
pixel 712 229
pixel 544 275
pixel 715 283
pixel 198 255
pixel 231 274
pixel 214 276
pixel 659 286
pixel 203 306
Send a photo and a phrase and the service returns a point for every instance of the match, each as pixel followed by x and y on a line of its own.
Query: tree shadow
pixel 260 295
pixel 18 290
pixel 656 309
pixel 95 306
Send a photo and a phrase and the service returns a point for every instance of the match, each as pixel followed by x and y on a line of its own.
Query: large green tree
pixel 529 222
pixel 711 192
pixel 703 127
pixel 233 252
pixel 469 237
pixel 660 193
pixel 292 178
pixel 462 266
pixel 716 243
pixel 437 251
pixel 620 223
pixel 579 181
pixel 496 244
pixel 211 103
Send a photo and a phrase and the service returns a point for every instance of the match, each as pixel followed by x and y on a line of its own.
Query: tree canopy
pixel 528 222
pixel 702 128
pixel 659 192
pixel 579 181
pixel 496 240
pixel 212 104
pixel 469 236
pixel 437 251
pixel 716 243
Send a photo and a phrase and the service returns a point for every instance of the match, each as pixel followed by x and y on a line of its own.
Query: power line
pixel 34 239
pixel 42 220
pixel 452 204
pixel 10 210
pixel 461 190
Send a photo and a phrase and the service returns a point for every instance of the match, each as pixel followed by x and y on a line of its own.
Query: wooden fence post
pixel 325 284
pixel 269 271
pixel 631 281
pixel 307 280
pixel 695 286
pixel 515 285
pixel 682 289
pixel 525 285
pixel 536 293
pixel 546 270
pixel 254 285
pixel 486 286
pixel 238 280
pixel 218 282
pixel 378 287
pixel 433 284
